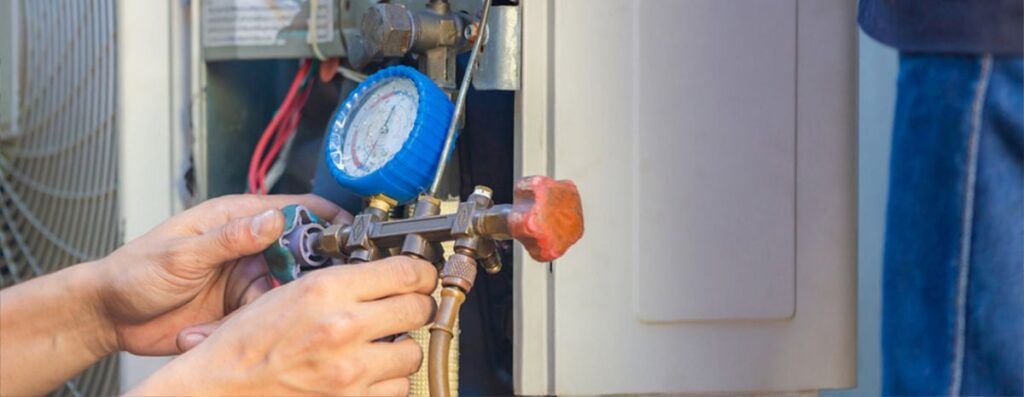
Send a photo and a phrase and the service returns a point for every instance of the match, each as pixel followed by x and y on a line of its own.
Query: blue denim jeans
pixel 953 311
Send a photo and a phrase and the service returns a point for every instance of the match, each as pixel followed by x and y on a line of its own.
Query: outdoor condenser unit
pixel 713 143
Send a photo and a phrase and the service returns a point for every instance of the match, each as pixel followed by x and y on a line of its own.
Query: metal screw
pixel 470 32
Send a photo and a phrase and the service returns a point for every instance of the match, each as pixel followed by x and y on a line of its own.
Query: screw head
pixel 470 32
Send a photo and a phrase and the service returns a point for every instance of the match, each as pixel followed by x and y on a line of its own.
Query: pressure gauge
pixel 387 136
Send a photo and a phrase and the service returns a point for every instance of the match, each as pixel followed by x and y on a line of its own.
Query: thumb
pixel 192 336
pixel 239 237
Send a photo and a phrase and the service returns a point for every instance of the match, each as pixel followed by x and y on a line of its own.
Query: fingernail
pixel 190 340
pixel 263 224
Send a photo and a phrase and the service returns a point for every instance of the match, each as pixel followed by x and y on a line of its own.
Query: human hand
pixel 314 336
pixel 195 268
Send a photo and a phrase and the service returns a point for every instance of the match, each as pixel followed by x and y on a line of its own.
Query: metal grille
pixel 58 177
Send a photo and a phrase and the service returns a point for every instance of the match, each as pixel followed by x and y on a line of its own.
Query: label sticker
pixel 263 22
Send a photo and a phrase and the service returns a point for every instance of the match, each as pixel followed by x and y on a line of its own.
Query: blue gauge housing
pixel 411 170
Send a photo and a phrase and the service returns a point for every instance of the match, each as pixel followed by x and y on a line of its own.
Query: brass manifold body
pixel 546 217
pixel 473 227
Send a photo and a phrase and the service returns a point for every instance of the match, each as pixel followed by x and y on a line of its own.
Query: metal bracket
pixel 500 59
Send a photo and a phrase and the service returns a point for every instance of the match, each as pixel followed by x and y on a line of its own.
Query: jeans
pixel 953 282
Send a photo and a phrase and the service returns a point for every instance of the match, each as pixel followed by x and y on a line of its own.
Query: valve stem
pixel 460 100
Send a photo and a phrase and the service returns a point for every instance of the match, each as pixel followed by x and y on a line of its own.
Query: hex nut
pixel 387 30
pixel 333 240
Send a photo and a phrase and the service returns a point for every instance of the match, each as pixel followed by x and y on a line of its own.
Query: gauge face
pixel 377 127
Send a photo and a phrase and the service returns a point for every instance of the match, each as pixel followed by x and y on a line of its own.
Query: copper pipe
pixel 441 334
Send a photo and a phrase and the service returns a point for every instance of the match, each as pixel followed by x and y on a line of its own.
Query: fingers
pixel 237 238
pixel 391 359
pixel 371 281
pixel 390 387
pixel 342 217
pixel 248 280
pixel 396 314
pixel 192 336
pixel 215 212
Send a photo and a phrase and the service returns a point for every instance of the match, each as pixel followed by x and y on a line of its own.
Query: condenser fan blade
pixel 59 170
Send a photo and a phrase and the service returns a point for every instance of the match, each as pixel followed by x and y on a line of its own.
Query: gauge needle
pixel 383 131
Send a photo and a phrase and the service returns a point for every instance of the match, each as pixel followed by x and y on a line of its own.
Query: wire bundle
pixel 281 129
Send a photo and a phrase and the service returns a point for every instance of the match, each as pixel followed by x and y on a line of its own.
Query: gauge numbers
pixel 377 128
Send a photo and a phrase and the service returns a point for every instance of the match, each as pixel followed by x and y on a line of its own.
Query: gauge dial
pixel 387 136
pixel 378 127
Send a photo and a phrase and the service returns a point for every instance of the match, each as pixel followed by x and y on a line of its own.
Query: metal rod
pixel 460 101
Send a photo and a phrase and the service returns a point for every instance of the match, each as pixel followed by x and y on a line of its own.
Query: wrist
pixel 86 282
pixel 178 378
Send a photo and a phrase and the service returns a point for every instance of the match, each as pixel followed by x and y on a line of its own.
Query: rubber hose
pixel 441 334
pixel 437 363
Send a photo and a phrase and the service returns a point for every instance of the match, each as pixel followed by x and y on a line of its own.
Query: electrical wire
pixel 283 137
pixel 351 74
pixel 277 170
pixel 284 121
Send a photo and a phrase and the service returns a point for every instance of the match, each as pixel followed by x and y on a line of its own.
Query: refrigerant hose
pixel 457 277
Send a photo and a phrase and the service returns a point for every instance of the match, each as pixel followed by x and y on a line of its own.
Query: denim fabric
pixel 953 311
pixel 946 26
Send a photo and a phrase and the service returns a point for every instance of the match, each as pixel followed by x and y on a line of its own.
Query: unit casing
pixel 714 145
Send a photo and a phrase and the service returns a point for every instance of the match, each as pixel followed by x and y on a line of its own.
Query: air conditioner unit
pixel 91 129
pixel 9 71
pixel 713 143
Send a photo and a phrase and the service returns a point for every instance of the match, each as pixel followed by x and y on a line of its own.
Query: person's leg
pixel 993 349
pixel 933 238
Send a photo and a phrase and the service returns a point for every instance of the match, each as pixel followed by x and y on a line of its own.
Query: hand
pixel 194 268
pixel 314 336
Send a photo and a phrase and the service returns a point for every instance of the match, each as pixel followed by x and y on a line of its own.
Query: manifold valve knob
pixel 546 216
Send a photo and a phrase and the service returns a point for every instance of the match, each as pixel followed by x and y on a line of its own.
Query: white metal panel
pixel 146 108
pixel 591 101
pixel 532 349
pixel 713 159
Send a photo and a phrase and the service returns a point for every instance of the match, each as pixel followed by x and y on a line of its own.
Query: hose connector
pixel 448 311
pixel 459 271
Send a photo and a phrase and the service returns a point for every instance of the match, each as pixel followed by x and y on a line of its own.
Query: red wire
pixel 272 128
pixel 284 132
pixel 270 132
pixel 291 124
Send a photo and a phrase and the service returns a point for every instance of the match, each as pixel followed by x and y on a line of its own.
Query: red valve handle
pixel 546 216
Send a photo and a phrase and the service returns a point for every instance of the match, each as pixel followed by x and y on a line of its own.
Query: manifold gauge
pixel 387 136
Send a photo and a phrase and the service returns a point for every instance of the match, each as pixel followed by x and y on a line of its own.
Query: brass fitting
pixel 483 191
pixel 459 271
pixel 333 240
pixel 433 200
pixel 491 264
pixel 382 202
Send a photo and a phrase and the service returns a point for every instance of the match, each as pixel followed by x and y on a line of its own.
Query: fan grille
pixel 58 177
